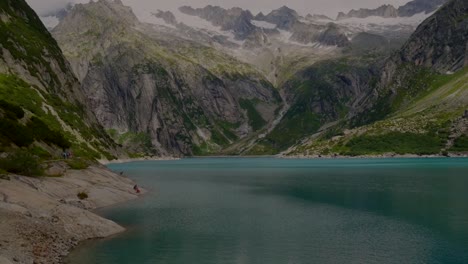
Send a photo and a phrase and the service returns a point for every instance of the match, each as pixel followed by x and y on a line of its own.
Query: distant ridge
pixel 410 9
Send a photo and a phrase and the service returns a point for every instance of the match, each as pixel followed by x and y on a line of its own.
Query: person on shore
pixel 137 190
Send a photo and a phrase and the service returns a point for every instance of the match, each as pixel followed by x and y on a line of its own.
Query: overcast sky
pixel 327 7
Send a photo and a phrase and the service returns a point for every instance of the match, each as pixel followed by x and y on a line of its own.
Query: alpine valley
pixel 217 81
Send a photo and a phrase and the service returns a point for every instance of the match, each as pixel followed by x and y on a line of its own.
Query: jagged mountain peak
pixel 167 16
pixel 385 11
pixel 283 17
pixel 283 11
pixel 105 10
pixel 334 35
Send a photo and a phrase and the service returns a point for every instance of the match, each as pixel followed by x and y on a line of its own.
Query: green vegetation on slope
pixel 137 144
pixel 27 40
pixel 40 124
pixel 22 162
pixel 297 123
pixel 322 93
pixel 256 121
pixel 411 85
pixel 460 144
pixel 394 142
pixel 422 124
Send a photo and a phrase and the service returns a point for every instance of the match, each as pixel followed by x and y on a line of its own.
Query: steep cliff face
pixel 440 42
pixel 179 96
pixel 439 45
pixel 37 84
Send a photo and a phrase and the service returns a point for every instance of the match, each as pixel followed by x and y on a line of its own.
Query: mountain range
pixel 209 81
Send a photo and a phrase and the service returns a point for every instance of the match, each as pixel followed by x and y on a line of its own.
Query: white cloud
pixel 327 7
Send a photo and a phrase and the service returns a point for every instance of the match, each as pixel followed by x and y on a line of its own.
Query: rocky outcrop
pixel 328 35
pixel 385 11
pixel 333 36
pixel 439 45
pixel 306 33
pixel 167 16
pixel 419 6
pixel 440 42
pixel 284 17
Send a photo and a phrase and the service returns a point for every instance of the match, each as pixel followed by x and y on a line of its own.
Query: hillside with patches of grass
pixel 41 102
pixel 435 122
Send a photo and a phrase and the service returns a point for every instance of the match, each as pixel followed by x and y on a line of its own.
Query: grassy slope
pixel 37 104
pixel 421 125
pixel 28 41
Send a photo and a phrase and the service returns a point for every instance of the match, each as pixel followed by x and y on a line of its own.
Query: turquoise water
pixel 272 211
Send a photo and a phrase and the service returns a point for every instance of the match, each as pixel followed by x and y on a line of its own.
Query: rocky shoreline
pixel 42 219
pixel 118 161
pixel 381 156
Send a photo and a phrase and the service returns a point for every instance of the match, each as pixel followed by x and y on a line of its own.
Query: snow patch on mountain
pixel 263 24
pixel 201 24
pixel 377 20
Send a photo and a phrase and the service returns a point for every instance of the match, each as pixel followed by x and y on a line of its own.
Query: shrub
pixel 396 142
pixel 82 195
pixel 16 133
pixel 40 152
pixel 44 133
pixel 12 111
pixel 461 144
pixel 22 163
pixel 78 164
pixel 4 175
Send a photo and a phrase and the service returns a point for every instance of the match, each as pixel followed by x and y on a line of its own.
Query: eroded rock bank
pixel 42 219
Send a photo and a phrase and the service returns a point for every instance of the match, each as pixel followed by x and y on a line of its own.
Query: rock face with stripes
pixel 152 88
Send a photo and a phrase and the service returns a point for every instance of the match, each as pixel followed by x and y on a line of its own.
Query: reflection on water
pixel 291 211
